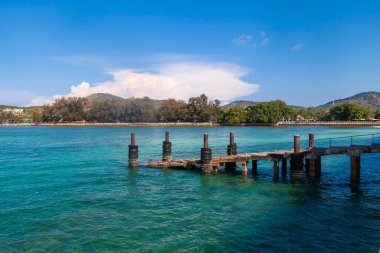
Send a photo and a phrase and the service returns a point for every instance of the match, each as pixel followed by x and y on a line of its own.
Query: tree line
pixel 196 109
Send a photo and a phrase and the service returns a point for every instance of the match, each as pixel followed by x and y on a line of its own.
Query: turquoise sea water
pixel 67 189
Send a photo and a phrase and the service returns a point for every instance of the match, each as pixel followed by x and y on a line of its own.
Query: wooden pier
pixel 307 161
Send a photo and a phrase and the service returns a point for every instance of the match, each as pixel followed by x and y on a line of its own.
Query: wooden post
pixel 311 140
pixel 254 167
pixel 284 167
pixel 275 168
pixel 297 146
pixel 244 170
pixel 133 153
pixel 355 166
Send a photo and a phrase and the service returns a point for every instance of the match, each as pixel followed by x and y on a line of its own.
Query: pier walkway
pixel 302 162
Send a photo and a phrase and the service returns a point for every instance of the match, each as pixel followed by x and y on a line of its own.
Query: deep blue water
pixel 68 189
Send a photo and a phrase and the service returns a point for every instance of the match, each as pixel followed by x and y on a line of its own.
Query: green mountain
pixel 365 99
pixel 244 104
pixel 103 97
pixel 239 104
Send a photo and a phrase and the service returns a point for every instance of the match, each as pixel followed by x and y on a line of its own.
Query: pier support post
pixel 311 140
pixel 244 170
pixel 166 148
pixel 312 168
pixel 232 147
pixel 231 150
pixel 275 169
pixel 254 167
pixel 296 161
pixel 284 167
pixel 133 153
pixel 355 166
pixel 318 167
pixel 206 156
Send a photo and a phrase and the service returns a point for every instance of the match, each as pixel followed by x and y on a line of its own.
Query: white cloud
pixel 180 80
pixel 242 39
pixel 296 47
pixel 265 42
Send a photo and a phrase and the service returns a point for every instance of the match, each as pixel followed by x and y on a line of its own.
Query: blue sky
pixel 304 52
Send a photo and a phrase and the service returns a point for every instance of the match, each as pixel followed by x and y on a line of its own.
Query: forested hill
pixel 101 97
pixel 240 104
pixel 365 99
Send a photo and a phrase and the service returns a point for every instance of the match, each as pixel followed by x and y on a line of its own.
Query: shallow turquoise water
pixel 70 190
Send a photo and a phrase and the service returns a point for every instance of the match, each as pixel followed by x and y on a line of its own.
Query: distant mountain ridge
pixel 365 99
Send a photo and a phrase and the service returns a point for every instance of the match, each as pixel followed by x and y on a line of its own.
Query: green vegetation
pixel 377 115
pixel 269 112
pixel 108 108
pixel 348 111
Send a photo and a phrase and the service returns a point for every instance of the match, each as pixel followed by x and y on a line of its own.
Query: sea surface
pixel 69 189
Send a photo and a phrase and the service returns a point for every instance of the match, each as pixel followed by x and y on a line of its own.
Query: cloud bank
pixel 180 80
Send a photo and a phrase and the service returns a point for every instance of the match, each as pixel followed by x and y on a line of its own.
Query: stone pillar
pixel 284 167
pixel 206 156
pixel 166 148
pixel 133 154
pixel 254 167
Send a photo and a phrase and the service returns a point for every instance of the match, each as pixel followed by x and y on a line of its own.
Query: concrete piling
pixel 254 167
pixel 311 140
pixel 133 153
pixel 244 170
pixel 296 161
pixel 231 150
pixel 166 148
pixel 275 169
pixel 355 167
pixel 206 156
pixel 232 147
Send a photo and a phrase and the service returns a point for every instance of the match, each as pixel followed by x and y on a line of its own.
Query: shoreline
pixel 206 124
